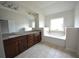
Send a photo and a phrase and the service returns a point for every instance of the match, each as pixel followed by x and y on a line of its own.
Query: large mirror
pixel 16 21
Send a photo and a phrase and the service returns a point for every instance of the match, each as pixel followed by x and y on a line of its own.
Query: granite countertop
pixel 17 34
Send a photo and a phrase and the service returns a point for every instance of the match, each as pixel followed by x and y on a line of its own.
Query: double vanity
pixel 19 42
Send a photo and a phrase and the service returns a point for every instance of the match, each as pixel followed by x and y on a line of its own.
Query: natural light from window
pixel 56 28
pixel 57 24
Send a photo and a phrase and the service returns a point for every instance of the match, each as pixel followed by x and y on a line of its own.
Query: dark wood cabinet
pixel 25 43
pixel 22 43
pixel 17 45
pixel 30 40
pixel 11 47
pixel 37 38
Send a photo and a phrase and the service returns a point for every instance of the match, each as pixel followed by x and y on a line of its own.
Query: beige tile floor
pixel 45 50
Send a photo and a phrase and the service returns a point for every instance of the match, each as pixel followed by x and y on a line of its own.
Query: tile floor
pixel 45 50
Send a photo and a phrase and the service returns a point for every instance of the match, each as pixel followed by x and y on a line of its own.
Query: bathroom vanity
pixel 16 44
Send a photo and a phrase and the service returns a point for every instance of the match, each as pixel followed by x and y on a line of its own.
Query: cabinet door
pixel 25 42
pixel 11 47
pixel 40 38
pixel 37 37
pixel 22 43
pixel 30 40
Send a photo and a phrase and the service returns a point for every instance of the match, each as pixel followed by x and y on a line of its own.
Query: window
pixel 57 24
pixel 56 29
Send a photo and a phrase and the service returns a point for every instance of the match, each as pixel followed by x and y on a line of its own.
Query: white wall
pixel 68 18
pixel 41 20
pixel 4 26
pixel 71 39
pixel 2 54
pixel 77 15
pixel 36 21
pixel 77 24
pixel 77 42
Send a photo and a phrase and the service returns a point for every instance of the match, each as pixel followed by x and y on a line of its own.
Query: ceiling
pixel 47 7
